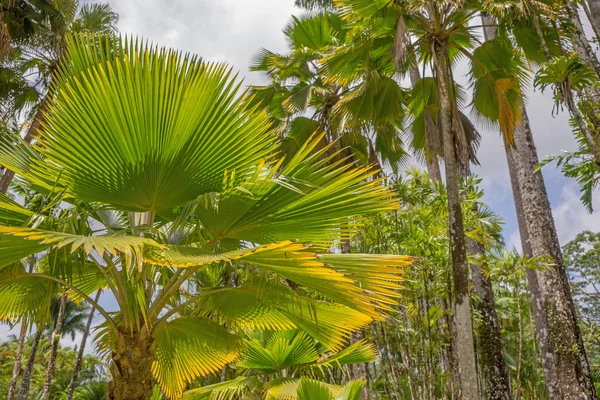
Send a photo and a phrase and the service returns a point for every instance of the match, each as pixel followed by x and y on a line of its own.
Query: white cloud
pixel 223 30
pixel 571 217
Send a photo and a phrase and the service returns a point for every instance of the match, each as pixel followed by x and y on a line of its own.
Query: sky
pixel 234 30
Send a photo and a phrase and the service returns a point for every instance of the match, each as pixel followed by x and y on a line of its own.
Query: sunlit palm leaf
pixel 366 283
pixel 28 295
pixel 309 199
pixel 228 390
pixel 22 293
pixel 14 249
pixel 111 243
pixel 185 256
pixel 161 128
pixel 12 213
pixel 187 348
pixel 259 304
pixel 280 352
pixel 309 389
pixel 357 353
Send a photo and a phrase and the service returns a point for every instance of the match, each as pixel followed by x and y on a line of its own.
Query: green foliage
pixel 91 384
pixel 563 75
pixel 581 166
pixel 582 255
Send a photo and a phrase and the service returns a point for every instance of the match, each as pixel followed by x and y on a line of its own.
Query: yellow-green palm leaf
pixel 282 350
pixel 143 128
pixel 189 347
pixel 12 213
pixel 259 304
pixel 41 239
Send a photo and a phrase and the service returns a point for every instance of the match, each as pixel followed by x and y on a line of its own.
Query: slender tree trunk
pixel 581 44
pixel 38 120
pixel 493 366
pixel 80 354
pixel 26 381
pixel 460 270
pixel 539 316
pixel 494 372
pixel 54 347
pixel 547 355
pixel 130 369
pixel 18 357
pixel 574 379
pixel 590 138
pixel 592 11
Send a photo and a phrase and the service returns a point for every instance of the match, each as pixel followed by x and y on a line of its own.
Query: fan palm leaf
pixel 154 148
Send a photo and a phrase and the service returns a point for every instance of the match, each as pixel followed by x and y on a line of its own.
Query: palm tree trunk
pixel 54 347
pixel 26 381
pixel 583 127
pixel 539 316
pixel 462 305
pixel 38 120
pixel 592 11
pixel 564 336
pixel 79 360
pixel 581 44
pixel 547 354
pixel 130 369
pixel 494 371
pixel 18 357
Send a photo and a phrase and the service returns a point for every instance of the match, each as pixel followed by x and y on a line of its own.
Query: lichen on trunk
pixel 572 369
pixel 460 271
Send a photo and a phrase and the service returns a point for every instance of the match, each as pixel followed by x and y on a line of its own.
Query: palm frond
pixel 280 352
pixel 228 390
pixel 189 347
pixel 308 199
pixel 153 148
pixel 359 352
pixel 23 238
pixel 12 213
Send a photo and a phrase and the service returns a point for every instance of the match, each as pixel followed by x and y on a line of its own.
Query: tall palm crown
pixel 364 115
pixel 170 171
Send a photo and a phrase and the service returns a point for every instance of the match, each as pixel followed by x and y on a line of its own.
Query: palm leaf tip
pixel 110 243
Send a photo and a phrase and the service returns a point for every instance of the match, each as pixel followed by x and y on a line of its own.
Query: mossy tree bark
pixel 465 352
pixel 564 336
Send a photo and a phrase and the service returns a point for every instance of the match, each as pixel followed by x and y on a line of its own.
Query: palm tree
pixel 191 169
pixel 283 360
pixel 363 115
pixel 46 51
pixel 565 374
